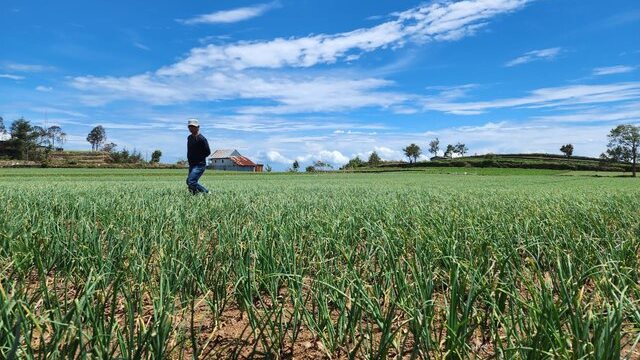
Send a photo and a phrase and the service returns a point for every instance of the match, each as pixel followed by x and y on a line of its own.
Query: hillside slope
pixel 526 161
pixel 78 158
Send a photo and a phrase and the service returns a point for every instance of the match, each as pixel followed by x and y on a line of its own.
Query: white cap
pixel 193 122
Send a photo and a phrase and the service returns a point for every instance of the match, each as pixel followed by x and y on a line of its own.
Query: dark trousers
pixel 195 172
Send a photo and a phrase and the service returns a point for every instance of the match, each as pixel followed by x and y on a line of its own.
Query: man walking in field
pixel 197 152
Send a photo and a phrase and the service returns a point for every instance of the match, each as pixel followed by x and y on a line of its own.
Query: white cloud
pixel 389 154
pixel 277 157
pixel 52 110
pixel 44 88
pixel 333 157
pixel 10 76
pixel 453 92
pixel 141 46
pixel 221 72
pixel 629 112
pixel 545 97
pixel 259 123
pixel 290 94
pixel 385 153
pixel 609 70
pixel 29 68
pixel 231 16
pixel 125 126
pixel 544 54
pixel 401 110
pixel 439 21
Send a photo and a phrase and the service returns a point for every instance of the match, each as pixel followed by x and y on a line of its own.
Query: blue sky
pixel 325 80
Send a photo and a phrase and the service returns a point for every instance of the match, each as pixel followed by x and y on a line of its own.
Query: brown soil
pixel 230 335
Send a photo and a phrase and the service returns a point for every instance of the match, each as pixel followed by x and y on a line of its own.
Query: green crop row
pixel 338 266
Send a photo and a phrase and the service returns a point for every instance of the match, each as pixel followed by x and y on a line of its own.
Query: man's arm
pixel 206 146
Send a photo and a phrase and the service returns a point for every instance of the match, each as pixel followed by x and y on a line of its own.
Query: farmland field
pixel 519 264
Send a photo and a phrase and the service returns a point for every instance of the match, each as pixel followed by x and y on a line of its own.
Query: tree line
pixel 32 142
pixel 35 143
pixel 414 151
pixel 623 145
pixel 29 142
pixel 97 137
pixel 624 141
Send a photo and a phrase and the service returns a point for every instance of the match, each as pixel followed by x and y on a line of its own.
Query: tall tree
pixel 434 146
pixel 155 156
pixel 96 137
pixel 55 133
pixel 461 149
pixel 110 147
pixel 39 135
pixel 354 163
pixel 449 151
pixel 295 166
pixel 24 138
pixel 2 128
pixel 567 150
pixel 374 159
pixel 617 153
pixel 623 142
pixel 412 151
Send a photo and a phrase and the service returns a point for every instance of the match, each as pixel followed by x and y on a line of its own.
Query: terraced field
pixel 126 264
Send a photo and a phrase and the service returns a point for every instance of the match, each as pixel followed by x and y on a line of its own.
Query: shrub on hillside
pixel 459 163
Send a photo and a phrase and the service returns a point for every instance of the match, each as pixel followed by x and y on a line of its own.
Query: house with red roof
pixel 232 160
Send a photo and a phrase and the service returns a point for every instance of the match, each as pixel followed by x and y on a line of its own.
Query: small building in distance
pixel 231 160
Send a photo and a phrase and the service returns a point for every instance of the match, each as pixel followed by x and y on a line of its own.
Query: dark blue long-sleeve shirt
pixel 197 149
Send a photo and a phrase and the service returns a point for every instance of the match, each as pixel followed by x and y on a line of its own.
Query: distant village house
pixel 231 160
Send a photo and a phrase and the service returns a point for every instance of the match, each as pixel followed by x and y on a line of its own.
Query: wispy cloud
pixel 10 76
pixel 52 110
pixel 627 112
pixel 237 70
pixel 621 19
pixel 610 70
pixel 288 93
pixel 545 97
pixel 141 46
pixel 29 68
pixel 231 16
pixel 452 92
pixel 439 21
pixel 269 124
pixel 543 54
pixel 42 88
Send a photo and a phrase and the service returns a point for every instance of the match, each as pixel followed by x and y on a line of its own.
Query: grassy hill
pixel 63 159
pixel 78 158
pixel 94 159
pixel 525 161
